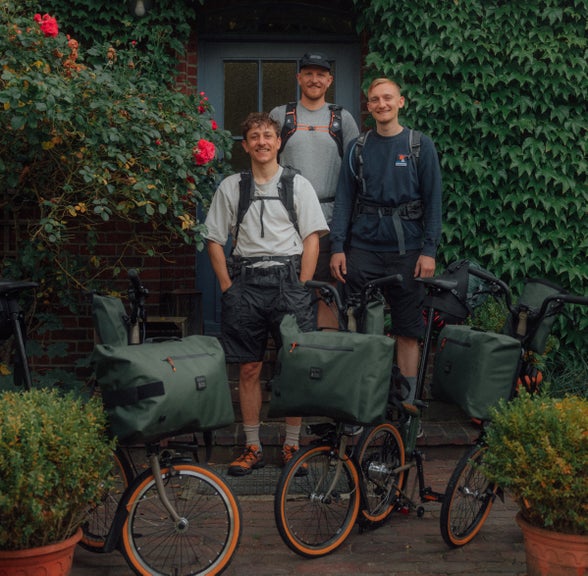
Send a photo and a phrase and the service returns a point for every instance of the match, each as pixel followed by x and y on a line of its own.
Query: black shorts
pixel 252 309
pixel 323 265
pixel 406 301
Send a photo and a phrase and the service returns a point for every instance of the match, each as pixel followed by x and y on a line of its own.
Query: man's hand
pixel 425 267
pixel 339 266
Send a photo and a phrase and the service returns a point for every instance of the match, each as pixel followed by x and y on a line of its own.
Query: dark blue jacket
pixel 391 180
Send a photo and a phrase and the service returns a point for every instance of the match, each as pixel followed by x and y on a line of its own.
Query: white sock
pixel 292 435
pixel 252 434
pixel 412 384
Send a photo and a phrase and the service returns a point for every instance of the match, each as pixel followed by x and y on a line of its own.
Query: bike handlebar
pixel 327 291
pixel 134 279
pixel 137 294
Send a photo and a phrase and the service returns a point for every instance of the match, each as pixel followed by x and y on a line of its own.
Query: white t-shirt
pixel 266 229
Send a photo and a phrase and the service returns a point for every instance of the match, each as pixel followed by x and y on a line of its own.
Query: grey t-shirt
pixel 280 237
pixel 313 151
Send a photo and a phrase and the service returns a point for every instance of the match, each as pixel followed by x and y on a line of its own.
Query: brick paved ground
pixel 407 545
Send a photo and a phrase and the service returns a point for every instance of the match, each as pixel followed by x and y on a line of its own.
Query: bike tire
pixel 153 544
pixel 310 520
pixel 96 529
pixel 380 452
pixel 468 499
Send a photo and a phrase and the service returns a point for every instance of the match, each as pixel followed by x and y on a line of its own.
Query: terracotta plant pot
pixel 51 560
pixel 553 553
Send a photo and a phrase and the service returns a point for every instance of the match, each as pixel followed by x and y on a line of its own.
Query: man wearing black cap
pixel 315 135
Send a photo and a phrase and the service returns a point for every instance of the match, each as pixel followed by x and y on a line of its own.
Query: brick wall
pixel 160 275
pixel 187 78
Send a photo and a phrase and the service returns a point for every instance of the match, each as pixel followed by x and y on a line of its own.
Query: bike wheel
pixel 317 501
pixel 97 527
pixel 205 538
pixel 380 453
pixel 468 499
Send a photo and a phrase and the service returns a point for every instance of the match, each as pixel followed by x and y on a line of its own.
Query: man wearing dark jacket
pixel 387 217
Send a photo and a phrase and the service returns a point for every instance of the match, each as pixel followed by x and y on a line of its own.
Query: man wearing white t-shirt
pixel 274 252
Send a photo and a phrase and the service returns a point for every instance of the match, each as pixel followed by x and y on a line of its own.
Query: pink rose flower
pixel 203 152
pixel 213 124
pixel 48 24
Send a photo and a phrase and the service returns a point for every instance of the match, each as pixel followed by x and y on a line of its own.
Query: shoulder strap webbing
pixel 414 142
pixel 290 124
pixel 335 125
pixel 356 158
pixel 246 194
pixel 286 192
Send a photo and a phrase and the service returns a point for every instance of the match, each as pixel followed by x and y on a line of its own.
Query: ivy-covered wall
pixel 501 88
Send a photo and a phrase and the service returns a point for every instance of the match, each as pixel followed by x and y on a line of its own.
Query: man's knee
pixel 249 373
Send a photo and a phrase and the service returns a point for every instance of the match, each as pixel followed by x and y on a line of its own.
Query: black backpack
pixel 414 142
pixel 285 195
pixel 335 125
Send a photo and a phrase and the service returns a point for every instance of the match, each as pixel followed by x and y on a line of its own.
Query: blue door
pixel 244 76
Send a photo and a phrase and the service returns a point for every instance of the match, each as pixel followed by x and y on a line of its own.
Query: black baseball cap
pixel 314 59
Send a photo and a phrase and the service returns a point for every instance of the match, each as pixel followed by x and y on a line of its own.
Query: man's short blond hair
pixel 379 81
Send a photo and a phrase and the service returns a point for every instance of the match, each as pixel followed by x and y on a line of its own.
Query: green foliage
pixel 55 461
pixel 500 87
pixel 538 450
pixel 161 35
pixel 564 372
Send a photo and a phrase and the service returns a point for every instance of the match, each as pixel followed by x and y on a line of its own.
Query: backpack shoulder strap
pixel 290 124
pixel 414 142
pixel 246 193
pixel 356 158
pixel 336 126
pixel 286 192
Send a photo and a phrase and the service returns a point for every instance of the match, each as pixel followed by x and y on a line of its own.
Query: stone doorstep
pixel 443 425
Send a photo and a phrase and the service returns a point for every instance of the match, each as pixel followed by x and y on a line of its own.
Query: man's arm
pixel 218 260
pixel 309 256
pixel 342 215
pixel 430 188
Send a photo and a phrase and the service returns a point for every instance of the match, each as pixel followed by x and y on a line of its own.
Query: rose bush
pixel 92 141
pixel 83 145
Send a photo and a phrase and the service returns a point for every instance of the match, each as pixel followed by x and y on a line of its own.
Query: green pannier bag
pixel 110 320
pixel 524 323
pixel 372 320
pixel 156 390
pixel 341 375
pixel 475 369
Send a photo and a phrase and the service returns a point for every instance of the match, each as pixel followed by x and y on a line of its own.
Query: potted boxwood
pixel 538 452
pixel 55 461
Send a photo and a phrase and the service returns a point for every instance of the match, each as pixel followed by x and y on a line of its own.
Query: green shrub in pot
pixel 55 462
pixel 538 452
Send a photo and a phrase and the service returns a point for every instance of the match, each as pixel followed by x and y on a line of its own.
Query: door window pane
pixel 241 93
pixel 278 83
